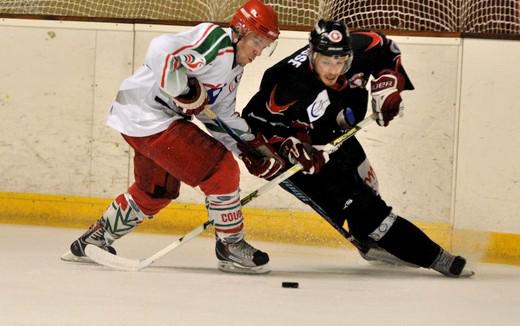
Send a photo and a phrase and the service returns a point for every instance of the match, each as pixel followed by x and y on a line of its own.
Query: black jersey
pixel 292 100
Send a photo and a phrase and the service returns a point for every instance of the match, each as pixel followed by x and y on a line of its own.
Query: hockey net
pixel 473 16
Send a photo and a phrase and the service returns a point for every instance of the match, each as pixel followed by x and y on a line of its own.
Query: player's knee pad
pixel 379 232
pixel 153 179
pixel 194 154
pixel 225 211
pixel 121 217
pixel 148 204
pixel 366 212
pixel 382 229
pixel 225 177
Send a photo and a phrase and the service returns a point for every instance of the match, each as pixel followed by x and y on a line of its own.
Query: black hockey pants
pixel 339 194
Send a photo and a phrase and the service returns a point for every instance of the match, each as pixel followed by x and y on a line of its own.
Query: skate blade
pixel 381 257
pixel 231 267
pixel 69 257
pixel 466 274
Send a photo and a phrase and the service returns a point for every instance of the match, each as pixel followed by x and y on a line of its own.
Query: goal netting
pixel 474 16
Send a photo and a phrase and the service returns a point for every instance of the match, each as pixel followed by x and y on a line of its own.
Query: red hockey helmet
pixel 255 16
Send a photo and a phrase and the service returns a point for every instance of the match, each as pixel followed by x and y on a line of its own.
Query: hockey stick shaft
pixel 289 186
pixel 104 258
pixel 187 237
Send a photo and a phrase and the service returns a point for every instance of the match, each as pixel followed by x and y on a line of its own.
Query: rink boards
pixel 449 164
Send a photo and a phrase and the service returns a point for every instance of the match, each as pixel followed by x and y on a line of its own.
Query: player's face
pixel 329 69
pixel 249 47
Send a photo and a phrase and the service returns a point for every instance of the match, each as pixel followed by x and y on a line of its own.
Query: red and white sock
pixel 225 211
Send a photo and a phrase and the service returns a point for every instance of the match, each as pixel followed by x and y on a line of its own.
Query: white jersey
pixel 144 104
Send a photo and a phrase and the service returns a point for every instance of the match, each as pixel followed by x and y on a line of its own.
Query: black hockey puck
pixel 293 285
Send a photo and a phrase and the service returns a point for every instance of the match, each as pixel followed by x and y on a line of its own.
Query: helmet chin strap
pixel 348 64
pixel 237 35
pixel 270 49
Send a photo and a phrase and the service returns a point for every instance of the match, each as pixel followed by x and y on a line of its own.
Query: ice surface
pixel 184 288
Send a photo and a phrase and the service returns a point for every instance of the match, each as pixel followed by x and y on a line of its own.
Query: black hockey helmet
pixel 330 38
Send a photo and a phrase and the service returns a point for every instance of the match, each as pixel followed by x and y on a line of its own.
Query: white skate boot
pixel 241 257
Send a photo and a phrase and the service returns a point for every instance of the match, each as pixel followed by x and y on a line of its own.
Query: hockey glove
pixel 345 119
pixel 386 96
pixel 194 101
pixel 260 159
pixel 311 159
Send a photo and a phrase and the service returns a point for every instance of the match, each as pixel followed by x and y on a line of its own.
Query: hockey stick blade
pixel 105 258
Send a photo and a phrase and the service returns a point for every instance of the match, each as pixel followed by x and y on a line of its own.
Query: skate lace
pixel 97 237
pixel 242 249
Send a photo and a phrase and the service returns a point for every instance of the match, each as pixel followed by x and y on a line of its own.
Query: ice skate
pixel 121 217
pixel 241 257
pixel 93 236
pixel 451 266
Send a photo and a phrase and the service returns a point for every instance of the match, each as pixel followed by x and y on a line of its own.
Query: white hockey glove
pixel 311 159
pixel 260 158
pixel 194 101
pixel 386 96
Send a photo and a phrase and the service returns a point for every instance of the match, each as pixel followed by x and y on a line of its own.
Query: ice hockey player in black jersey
pixel 313 96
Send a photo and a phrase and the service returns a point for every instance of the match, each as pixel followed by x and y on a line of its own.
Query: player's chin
pixel 244 61
pixel 329 81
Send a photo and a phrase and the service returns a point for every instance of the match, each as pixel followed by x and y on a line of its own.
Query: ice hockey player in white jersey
pixel 181 74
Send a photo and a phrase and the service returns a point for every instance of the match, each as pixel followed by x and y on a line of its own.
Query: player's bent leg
pixel 190 155
pixel 404 240
pixel 371 251
pixel 120 218
pixel 333 199
pixel 372 221
pixel 234 254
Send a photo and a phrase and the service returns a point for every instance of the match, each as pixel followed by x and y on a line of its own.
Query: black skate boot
pixel 95 235
pixel 241 257
pixel 451 266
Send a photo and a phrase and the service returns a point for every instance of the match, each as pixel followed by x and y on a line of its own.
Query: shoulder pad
pixel 366 40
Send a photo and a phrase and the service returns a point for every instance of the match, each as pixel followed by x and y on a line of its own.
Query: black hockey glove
pixel 260 159
pixel 311 159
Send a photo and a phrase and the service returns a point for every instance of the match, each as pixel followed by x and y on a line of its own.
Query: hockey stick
pixel 105 258
pixel 368 252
